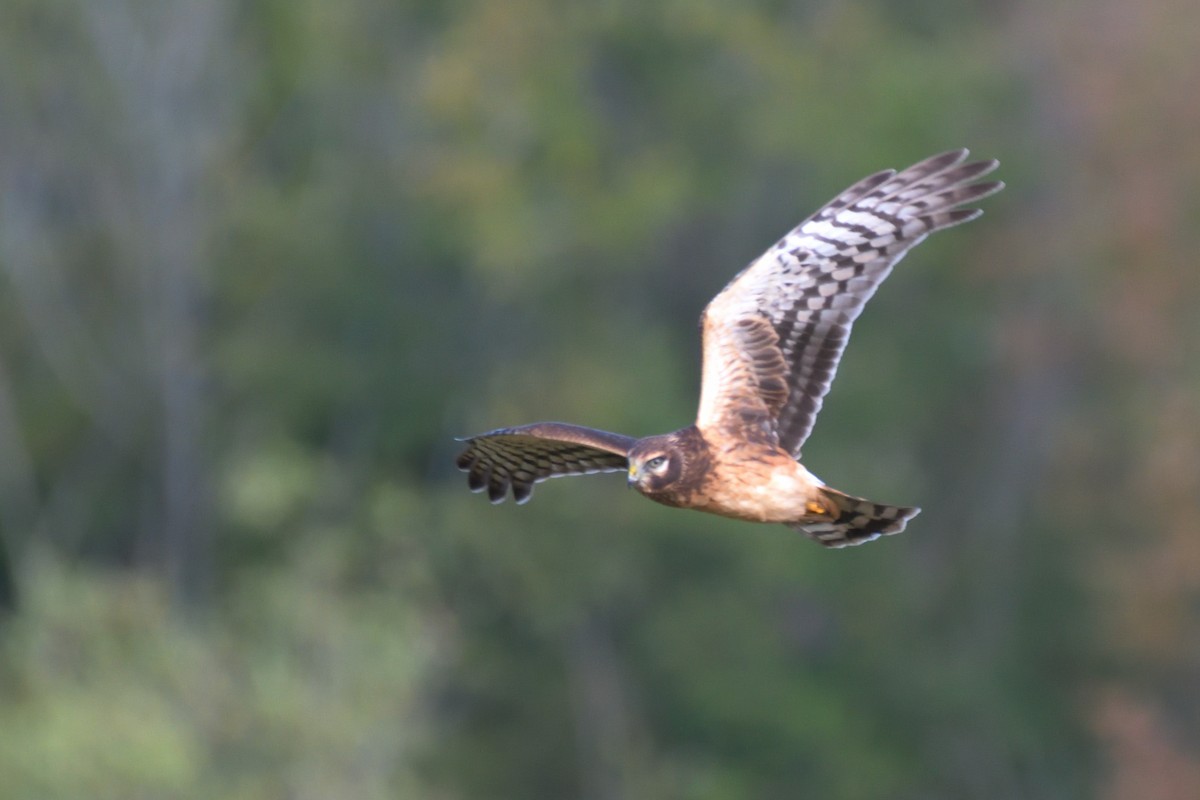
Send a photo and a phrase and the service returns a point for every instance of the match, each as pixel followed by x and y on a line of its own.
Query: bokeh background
pixel 261 261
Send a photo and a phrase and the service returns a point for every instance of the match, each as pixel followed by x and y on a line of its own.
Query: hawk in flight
pixel 772 341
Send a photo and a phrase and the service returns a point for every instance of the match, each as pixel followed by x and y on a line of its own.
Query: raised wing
pixel 521 457
pixel 774 336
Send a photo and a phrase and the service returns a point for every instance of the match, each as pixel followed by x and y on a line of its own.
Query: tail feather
pixel 853 520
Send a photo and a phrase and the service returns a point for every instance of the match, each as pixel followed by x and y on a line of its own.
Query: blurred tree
pixel 107 222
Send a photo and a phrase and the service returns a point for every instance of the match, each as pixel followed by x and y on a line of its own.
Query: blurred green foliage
pixel 263 261
pixel 293 686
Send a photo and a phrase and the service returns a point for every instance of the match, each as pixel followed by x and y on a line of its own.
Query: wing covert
pixel 520 457
pixel 807 290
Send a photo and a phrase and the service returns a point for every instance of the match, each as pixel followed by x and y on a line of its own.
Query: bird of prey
pixel 772 340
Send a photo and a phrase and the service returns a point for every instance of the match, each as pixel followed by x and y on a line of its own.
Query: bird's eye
pixel 656 463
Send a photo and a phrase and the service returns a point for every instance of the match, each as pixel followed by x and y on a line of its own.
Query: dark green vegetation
pixel 261 261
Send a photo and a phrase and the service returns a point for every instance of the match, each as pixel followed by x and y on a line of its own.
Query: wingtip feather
pixel 940 162
pixel 477 479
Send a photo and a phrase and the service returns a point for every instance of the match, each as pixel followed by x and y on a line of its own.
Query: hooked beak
pixel 634 474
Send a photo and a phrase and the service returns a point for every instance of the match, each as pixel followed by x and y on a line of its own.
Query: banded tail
pixel 856 521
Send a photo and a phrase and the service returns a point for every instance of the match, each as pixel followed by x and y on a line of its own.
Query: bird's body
pixel 773 494
pixel 772 341
pixel 752 481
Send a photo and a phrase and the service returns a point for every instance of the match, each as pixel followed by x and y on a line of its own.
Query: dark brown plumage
pixel 520 457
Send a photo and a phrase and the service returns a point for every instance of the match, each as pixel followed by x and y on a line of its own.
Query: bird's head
pixel 658 464
pixel 653 464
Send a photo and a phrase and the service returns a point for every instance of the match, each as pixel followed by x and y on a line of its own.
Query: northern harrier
pixel 772 341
